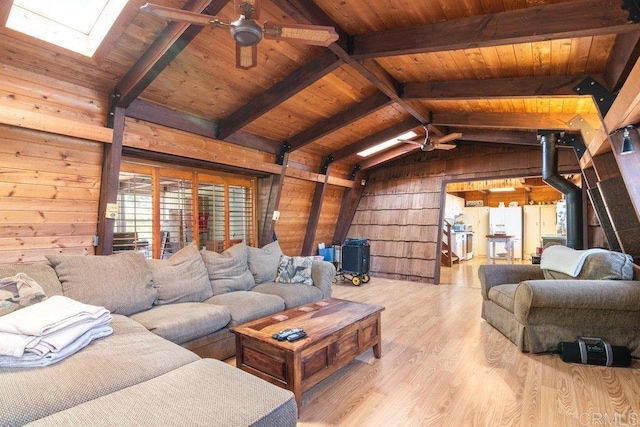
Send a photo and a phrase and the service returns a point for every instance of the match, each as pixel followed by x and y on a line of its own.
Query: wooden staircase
pixel 448 257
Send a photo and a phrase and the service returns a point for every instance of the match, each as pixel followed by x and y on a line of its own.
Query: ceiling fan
pixel 429 144
pixel 246 32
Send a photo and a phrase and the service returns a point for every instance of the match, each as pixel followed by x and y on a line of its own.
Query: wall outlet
pixel 112 210
pixel 276 215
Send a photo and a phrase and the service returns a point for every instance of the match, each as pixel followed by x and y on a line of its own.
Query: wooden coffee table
pixel 337 332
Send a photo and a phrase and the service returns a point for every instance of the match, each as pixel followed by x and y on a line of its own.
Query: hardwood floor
pixel 442 365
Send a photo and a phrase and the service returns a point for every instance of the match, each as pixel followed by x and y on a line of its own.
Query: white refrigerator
pixel 508 219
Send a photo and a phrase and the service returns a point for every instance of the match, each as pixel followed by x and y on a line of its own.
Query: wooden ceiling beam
pixel 5 8
pixel 518 87
pixel 164 116
pixel 171 41
pixel 303 77
pixel 377 138
pixel 513 137
pixel 307 12
pixel 558 121
pixel 340 120
pixel 565 20
pixel 623 57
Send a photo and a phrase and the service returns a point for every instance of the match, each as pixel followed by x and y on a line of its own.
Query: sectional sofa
pixel 171 320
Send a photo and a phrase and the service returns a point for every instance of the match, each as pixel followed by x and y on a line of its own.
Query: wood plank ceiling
pixel 493 70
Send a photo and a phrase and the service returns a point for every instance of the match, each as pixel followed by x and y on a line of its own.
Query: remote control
pixel 282 335
pixel 296 336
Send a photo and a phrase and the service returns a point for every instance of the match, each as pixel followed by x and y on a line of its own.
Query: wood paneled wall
pixel 328 215
pixel 36 93
pixel 49 189
pixel 49 183
pixel 295 205
pixel 399 212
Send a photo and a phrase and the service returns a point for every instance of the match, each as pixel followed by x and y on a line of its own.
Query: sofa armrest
pixel 322 274
pixel 623 295
pixel 502 274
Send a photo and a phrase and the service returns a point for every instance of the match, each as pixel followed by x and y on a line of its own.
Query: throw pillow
pixel 181 278
pixel 295 270
pixel 263 262
pixel 228 271
pixel 19 291
pixel 121 283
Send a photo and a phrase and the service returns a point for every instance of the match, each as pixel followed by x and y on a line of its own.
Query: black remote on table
pixel 282 335
pixel 296 336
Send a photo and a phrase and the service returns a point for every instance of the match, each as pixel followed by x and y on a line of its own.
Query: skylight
pixel 76 25
pixel 387 144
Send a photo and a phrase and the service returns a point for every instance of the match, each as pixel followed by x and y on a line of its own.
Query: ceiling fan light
pixel 428 146
pixel 246 32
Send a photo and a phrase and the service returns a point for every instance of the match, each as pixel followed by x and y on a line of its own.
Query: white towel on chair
pixel 565 260
pixel 50 315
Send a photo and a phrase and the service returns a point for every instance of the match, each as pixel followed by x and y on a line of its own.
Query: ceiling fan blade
pixel 412 142
pixel 445 146
pixel 249 8
pixel 172 14
pixel 246 56
pixel 316 35
pixel 448 138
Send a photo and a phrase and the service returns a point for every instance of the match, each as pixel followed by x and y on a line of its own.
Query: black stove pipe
pixel 572 192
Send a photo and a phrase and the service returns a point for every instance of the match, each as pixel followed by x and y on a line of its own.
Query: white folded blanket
pixel 54 313
pixel 565 260
pixel 29 360
pixel 48 326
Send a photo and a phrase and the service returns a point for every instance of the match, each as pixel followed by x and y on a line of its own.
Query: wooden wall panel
pixel 27 91
pixel 295 206
pixel 328 215
pixel 49 189
pixel 399 211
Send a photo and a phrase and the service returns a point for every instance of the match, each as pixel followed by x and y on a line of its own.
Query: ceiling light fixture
pixel 627 142
pixel 386 144
pixel 502 189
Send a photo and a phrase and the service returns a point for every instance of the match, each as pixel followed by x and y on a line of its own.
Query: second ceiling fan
pixel 246 32
pixel 429 144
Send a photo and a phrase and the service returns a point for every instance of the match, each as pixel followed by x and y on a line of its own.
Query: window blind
pixel 133 229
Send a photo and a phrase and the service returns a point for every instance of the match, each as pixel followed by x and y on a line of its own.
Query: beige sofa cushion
pixel 503 295
pixel 129 356
pixel 204 393
pixel 122 283
pixel 263 262
pixel 181 278
pixel 245 306
pixel 228 271
pixel 184 322
pixel 293 294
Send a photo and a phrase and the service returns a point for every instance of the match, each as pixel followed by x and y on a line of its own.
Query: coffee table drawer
pixel 266 363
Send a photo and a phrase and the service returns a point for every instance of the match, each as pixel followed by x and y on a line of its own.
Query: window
pixel 175 207
pixel 240 213
pixel 76 25
pixel 211 215
pixel 176 211
pixel 133 228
